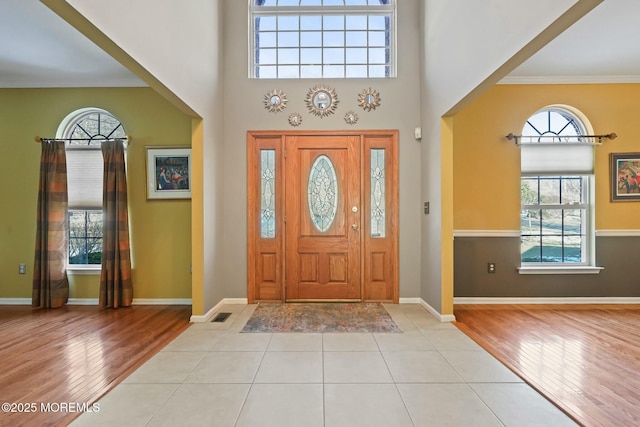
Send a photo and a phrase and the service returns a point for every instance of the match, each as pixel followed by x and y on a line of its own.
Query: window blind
pixel 556 158
pixel 84 177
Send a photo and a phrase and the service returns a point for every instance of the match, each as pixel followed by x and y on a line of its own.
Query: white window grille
pixel 293 39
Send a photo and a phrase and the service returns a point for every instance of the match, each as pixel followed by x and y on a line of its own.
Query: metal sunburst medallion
pixel 275 101
pixel 322 101
pixel 369 99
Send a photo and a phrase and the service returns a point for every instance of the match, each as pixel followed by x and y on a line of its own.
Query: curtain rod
pixel 125 138
pixel 611 135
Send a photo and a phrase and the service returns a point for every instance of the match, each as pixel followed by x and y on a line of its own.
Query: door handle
pixel 354 226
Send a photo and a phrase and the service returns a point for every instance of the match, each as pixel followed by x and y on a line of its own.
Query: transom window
pixel 557 169
pixel 322 39
pixel 84 130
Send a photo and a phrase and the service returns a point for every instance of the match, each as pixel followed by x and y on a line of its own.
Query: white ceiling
pixel 603 47
pixel 39 49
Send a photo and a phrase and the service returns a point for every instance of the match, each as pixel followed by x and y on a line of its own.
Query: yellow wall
pixel 160 229
pixel 487 166
pixel 446 128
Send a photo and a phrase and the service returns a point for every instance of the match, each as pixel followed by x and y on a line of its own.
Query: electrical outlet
pixel 22 268
pixel 491 267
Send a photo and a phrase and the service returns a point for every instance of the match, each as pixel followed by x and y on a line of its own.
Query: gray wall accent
pixel 618 255
pixel 244 110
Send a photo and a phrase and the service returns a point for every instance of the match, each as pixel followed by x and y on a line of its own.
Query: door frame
pixel 379 257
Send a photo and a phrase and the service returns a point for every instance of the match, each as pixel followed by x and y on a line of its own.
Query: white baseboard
pixel 94 301
pixel 15 301
pixel 161 301
pixel 547 300
pixel 213 310
pixel 441 317
pixel 410 301
pixel 83 301
pixel 235 301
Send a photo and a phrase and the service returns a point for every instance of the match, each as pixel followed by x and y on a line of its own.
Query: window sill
pixel 84 270
pixel 583 269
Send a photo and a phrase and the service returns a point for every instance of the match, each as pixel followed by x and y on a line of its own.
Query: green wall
pixel 160 229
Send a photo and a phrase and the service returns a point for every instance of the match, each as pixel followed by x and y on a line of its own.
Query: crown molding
pixel 565 80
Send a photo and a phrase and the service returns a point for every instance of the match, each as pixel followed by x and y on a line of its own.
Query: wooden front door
pixel 322 216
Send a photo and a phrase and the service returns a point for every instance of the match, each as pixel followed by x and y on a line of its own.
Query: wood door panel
pixel 323 261
pixel 268 267
pixel 330 291
pixel 377 264
pixel 324 268
pixel 309 267
pixel 330 244
pixel 338 267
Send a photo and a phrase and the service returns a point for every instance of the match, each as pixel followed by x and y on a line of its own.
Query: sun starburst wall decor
pixel 322 101
pixel 369 99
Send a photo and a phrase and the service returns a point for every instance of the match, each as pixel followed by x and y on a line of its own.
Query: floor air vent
pixel 221 317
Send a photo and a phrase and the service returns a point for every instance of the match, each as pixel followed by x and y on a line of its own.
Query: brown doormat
pixel 321 317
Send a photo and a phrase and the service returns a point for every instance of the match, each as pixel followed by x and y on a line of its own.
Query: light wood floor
pixel 76 354
pixel 585 359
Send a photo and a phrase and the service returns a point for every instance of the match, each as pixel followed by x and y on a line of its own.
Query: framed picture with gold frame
pixel 625 176
pixel 168 173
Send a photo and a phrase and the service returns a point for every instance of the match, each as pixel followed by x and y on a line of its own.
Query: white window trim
pixel 383 9
pixel 559 269
pixel 84 269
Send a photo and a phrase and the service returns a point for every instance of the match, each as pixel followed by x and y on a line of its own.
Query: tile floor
pixel 431 375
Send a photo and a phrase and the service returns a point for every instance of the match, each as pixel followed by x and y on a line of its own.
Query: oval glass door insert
pixel 322 193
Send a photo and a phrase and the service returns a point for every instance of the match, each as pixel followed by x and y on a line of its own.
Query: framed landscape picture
pixel 168 173
pixel 625 176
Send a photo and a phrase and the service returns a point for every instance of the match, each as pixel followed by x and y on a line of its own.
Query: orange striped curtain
pixel 50 281
pixel 116 288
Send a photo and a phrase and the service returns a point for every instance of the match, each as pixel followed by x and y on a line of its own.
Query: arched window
pixel 84 130
pixel 555 189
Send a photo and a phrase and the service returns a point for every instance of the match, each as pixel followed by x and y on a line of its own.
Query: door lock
pixel 354 209
pixel 354 226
